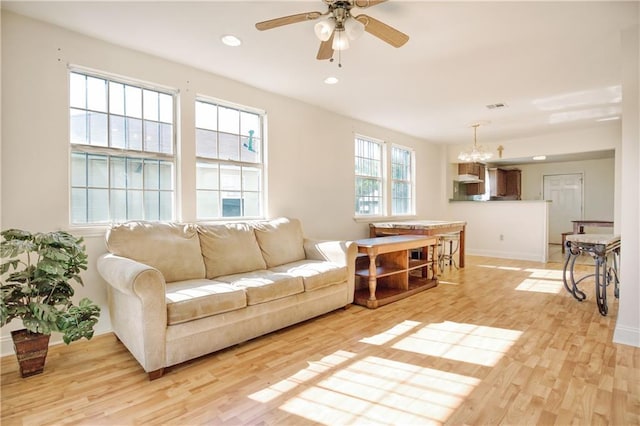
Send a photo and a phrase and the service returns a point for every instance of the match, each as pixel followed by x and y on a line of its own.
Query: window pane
pixel 250 151
pixel 252 204
pixel 134 173
pixel 231 204
pixel 206 116
pixel 229 146
pixel 98 205
pixel 166 108
pixel 134 133
pixel 166 205
pixel 118 205
pixel 151 105
pixel 116 98
pixel 118 172
pixel 78 169
pixel 134 205
pixel 250 124
pixel 78 205
pixel 98 129
pixel 207 176
pixel 96 94
pixel 77 90
pixel 230 178
pixel 151 174
pixel 133 101
pixel 151 205
pixel 206 143
pixel 250 179
pixel 151 136
pixel 229 120
pixel 97 171
pixel 208 206
pixel 166 138
pixel 117 132
pixel 166 175
pixel 78 126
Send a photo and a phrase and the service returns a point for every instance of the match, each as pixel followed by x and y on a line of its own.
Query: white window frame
pixel 231 164
pixel 111 153
pixel 379 176
pixel 386 180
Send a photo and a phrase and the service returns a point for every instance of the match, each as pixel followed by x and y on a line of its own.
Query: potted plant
pixel 37 270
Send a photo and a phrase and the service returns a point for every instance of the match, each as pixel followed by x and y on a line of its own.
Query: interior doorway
pixel 565 192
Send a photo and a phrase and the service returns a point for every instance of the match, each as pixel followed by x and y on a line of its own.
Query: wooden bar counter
pixel 420 227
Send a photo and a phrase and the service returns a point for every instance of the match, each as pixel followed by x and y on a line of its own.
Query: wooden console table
pixel 388 276
pixel 421 227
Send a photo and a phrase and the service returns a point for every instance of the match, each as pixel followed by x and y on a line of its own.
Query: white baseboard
pixel 534 257
pixel 627 335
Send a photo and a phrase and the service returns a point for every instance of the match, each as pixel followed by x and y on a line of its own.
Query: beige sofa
pixel 179 291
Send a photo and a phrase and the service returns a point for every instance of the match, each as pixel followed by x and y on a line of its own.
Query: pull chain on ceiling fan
pixel 340 26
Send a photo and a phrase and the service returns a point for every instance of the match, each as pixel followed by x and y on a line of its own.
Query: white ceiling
pixel 556 65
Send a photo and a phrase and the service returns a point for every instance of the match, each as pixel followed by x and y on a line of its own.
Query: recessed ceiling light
pixel 540 157
pixel 331 80
pixel 231 40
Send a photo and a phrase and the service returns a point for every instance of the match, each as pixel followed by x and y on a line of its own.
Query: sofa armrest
pixel 137 305
pixel 340 252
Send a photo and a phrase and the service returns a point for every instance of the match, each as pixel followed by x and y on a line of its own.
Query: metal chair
pixel 450 241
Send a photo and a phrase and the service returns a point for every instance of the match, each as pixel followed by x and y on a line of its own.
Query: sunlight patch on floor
pixel 375 390
pixel 385 337
pixel 552 274
pixel 461 342
pixel 506 268
pixel 540 286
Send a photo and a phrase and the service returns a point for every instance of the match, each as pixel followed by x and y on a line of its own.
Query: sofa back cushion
pixel 229 248
pixel 281 241
pixel 172 248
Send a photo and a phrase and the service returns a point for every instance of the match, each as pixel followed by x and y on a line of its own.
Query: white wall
pixel 599 182
pixel 628 323
pixel 504 229
pixel 310 151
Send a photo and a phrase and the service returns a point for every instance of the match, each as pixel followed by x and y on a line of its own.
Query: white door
pixel 565 193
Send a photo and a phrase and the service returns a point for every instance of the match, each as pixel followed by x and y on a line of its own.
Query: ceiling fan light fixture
pixel 324 29
pixel 340 41
pixel 353 28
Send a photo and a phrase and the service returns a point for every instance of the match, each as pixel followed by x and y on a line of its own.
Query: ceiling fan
pixel 340 26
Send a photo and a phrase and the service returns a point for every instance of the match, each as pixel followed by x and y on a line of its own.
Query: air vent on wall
pixel 497 105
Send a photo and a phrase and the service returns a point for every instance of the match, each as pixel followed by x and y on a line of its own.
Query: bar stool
pixel 450 241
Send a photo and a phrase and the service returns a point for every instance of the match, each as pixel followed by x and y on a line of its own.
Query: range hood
pixel 468 179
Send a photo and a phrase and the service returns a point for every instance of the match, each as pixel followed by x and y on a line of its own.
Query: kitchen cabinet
pixel 505 183
pixel 475 169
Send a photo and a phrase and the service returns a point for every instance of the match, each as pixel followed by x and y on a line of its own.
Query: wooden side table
pixel 391 274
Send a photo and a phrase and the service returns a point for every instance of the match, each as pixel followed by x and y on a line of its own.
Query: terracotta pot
pixel 31 351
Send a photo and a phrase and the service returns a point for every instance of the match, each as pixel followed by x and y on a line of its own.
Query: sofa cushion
pixel 193 299
pixel 263 286
pixel 281 241
pixel 315 273
pixel 229 248
pixel 171 248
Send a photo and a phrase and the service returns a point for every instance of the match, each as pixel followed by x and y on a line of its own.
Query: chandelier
pixel 477 152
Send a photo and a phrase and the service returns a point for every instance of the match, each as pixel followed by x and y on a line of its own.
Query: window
pixel 122 151
pixel 369 184
pixel 229 164
pixel 401 181
pixel 373 183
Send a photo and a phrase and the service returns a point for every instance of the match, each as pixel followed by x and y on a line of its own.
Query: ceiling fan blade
pixel 367 3
pixel 286 20
pixel 383 31
pixel 326 49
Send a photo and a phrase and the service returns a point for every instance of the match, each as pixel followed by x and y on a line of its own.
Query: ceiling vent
pixel 497 105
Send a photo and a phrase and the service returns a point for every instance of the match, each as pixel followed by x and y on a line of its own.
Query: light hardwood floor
pixel 500 342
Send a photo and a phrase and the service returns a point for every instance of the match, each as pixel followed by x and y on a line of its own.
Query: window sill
pixel 372 219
